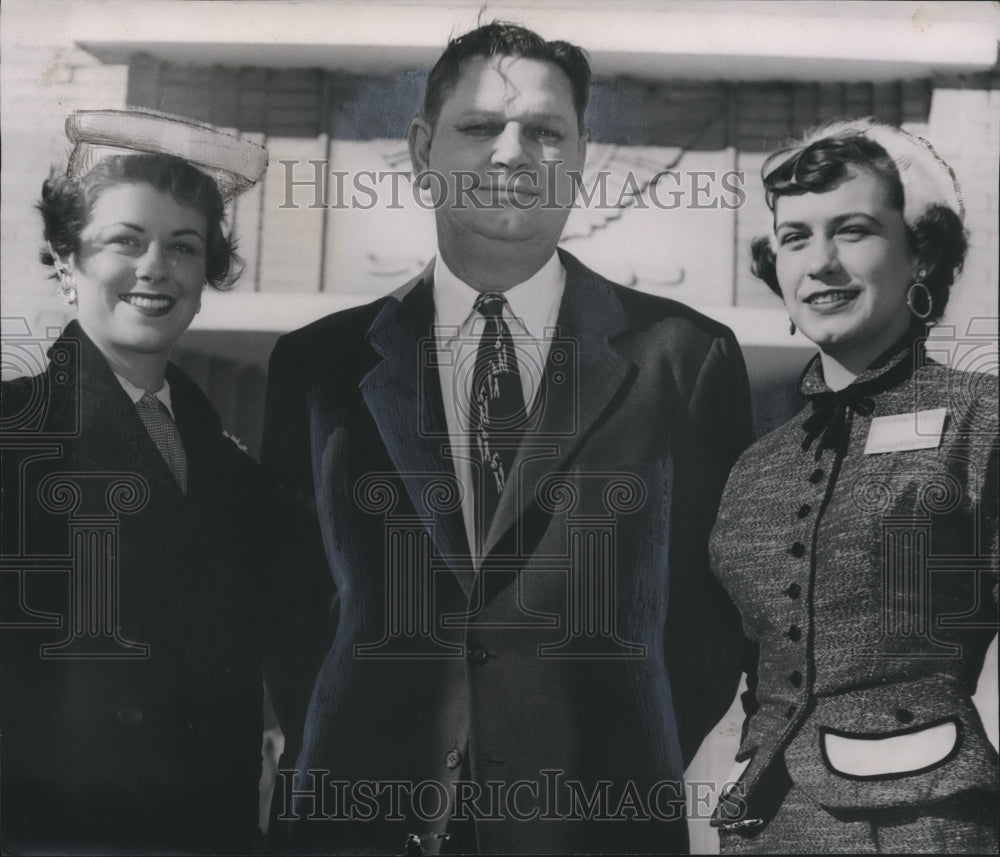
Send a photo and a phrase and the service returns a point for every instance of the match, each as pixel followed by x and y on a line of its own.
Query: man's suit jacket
pixel 130 716
pixel 571 679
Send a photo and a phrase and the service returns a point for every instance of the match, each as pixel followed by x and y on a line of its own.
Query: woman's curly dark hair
pixel 938 237
pixel 66 206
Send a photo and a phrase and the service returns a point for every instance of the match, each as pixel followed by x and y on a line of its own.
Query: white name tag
pixel 918 430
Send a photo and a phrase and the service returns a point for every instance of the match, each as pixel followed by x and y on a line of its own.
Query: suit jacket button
pixel 453 759
pixel 795 633
pixel 796 679
pixel 797 550
pixel 130 715
pixel 790 713
pixel 904 715
pixel 479 655
pixel 817 475
pixel 793 591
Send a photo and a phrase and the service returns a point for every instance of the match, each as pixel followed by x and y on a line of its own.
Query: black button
pixel 804 510
pixel 791 711
pixel 796 679
pixel 130 715
pixel 479 655
pixel 795 633
pixel 453 758
pixel 816 475
pixel 794 590
pixel 797 550
pixel 904 715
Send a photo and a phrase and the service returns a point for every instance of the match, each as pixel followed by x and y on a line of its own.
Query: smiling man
pixel 509 469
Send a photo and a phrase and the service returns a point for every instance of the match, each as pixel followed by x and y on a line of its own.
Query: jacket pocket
pixel 892 745
pixel 876 757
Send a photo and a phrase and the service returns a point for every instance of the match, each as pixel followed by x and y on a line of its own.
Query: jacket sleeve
pixel 703 628
pixel 302 592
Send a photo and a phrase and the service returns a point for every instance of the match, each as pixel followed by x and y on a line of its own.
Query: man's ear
pixel 418 137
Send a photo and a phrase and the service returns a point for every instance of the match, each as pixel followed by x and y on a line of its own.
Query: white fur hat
pixel 927 180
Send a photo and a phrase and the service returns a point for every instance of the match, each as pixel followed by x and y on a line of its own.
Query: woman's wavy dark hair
pixel 66 206
pixel 937 238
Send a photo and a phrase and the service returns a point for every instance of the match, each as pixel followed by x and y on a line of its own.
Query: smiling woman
pixel 840 534
pixel 858 256
pixel 844 267
pixel 131 721
pixel 133 243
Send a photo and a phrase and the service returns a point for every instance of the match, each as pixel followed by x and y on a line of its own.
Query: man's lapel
pixel 583 373
pixel 403 395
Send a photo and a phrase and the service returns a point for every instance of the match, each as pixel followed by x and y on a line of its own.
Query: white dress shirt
pixel 135 393
pixel 531 313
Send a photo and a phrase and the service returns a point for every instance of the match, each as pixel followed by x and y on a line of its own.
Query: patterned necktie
pixel 165 435
pixel 496 411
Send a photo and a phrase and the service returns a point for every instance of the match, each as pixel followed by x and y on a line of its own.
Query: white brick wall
pixel 43 77
pixel 964 126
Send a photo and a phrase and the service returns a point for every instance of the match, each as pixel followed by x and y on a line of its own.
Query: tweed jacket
pixel 437 673
pixel 131 712
pixel 866 580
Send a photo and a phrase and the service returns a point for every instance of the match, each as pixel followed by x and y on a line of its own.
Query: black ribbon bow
pixel 831 418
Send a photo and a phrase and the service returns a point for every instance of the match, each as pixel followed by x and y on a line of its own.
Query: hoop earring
pixel 927 299
pixel 791 328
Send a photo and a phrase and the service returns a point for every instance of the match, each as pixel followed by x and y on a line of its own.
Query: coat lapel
pixel 583 373
pixel 114 434
pixel 403 395
pixel 201 431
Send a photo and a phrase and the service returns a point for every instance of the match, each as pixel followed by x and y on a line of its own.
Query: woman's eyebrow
pixel 135 227
pixel 840 218
pixel 187 231
pixel 864 215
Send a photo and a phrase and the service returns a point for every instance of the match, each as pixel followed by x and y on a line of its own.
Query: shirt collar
pixel 534 302
pixel 135 393
pixel 902 357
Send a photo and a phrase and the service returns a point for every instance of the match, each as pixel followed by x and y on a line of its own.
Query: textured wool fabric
pixel 867 586
pixel 965 824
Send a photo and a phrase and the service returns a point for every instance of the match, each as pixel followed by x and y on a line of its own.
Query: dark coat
pixel 131 708
pixel 868 584
pixel 436 674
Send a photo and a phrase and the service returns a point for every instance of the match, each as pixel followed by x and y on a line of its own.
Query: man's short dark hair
pixel 500 39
